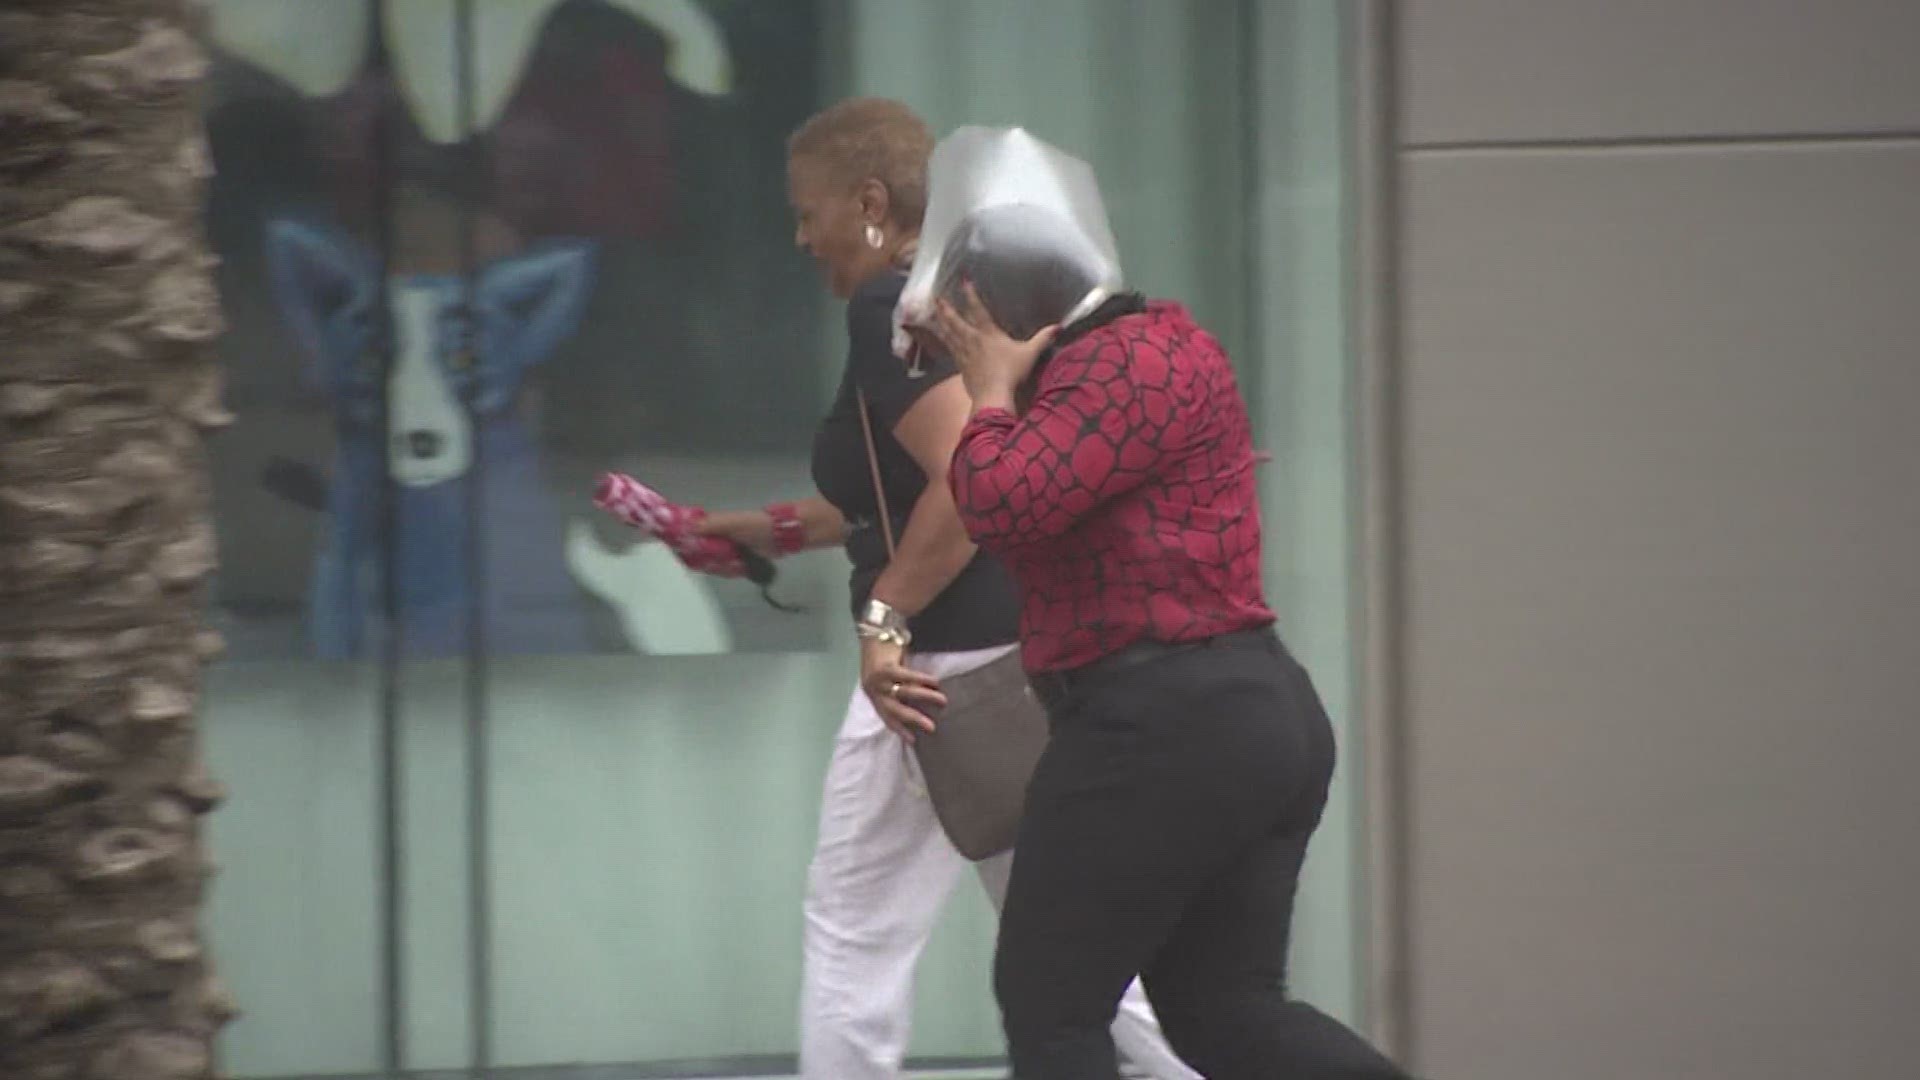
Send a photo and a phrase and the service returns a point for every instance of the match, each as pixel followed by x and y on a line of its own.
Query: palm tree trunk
pixel 107 387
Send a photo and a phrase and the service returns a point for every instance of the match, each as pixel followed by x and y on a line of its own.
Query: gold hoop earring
pixel 875 238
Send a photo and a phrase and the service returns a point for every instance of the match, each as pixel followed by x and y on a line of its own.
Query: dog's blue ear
pixel 324 284
pixel 529 303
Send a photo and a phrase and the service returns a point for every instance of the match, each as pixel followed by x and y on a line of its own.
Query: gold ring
pixel 893 690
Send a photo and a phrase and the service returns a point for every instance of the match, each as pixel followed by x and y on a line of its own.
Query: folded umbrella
pixel 677 526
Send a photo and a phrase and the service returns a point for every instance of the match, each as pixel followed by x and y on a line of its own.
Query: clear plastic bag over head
pixel 1020 219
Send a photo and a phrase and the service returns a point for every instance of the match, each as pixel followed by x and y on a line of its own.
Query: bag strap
pixel 911 766
pixel 873 468
pixel 903 261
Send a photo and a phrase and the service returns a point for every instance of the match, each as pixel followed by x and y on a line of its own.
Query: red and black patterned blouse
pixel 1123 497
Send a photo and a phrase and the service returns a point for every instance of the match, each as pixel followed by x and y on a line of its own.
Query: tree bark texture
pixel 108 386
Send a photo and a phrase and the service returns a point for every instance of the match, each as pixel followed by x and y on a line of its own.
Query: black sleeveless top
pixel 979 608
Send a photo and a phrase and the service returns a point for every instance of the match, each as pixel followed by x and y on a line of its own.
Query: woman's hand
pixel 991 363
pixel 748 528
pixel 898 692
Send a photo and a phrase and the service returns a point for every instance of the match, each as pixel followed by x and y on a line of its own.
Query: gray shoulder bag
pixel 986 741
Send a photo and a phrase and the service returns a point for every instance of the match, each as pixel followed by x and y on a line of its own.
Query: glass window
pixel 508 785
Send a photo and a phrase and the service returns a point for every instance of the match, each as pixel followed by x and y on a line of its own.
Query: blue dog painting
pixel 460 353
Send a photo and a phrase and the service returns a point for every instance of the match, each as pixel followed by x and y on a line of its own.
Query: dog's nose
pixel 424 444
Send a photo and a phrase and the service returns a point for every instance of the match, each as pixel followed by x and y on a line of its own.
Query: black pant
pixel 1164 833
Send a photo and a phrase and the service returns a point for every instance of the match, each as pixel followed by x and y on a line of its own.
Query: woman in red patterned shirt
pixel 1110 465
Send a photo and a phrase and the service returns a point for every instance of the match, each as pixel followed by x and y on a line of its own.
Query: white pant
pixel 881 872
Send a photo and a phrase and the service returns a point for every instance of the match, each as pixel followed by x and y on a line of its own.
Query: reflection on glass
pixel 554 243
pixel 295 916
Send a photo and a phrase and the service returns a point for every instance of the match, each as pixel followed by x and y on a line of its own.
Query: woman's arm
pixel 934 548
pixel 1096 429
pixel 928 555
pixel 821 525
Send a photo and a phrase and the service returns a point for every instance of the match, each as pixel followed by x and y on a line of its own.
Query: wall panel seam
pixel 1687 144
pixel 1376 199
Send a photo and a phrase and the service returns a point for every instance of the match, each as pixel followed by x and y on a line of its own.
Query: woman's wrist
pixel 993 403
pixel 789 530
pixel 881 621
pixel 991 395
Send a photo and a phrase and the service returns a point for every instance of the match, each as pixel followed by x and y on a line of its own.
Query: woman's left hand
pixel 898 692
pixel 991 363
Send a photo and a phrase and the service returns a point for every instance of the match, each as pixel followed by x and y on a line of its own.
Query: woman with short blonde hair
pixel 882 868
